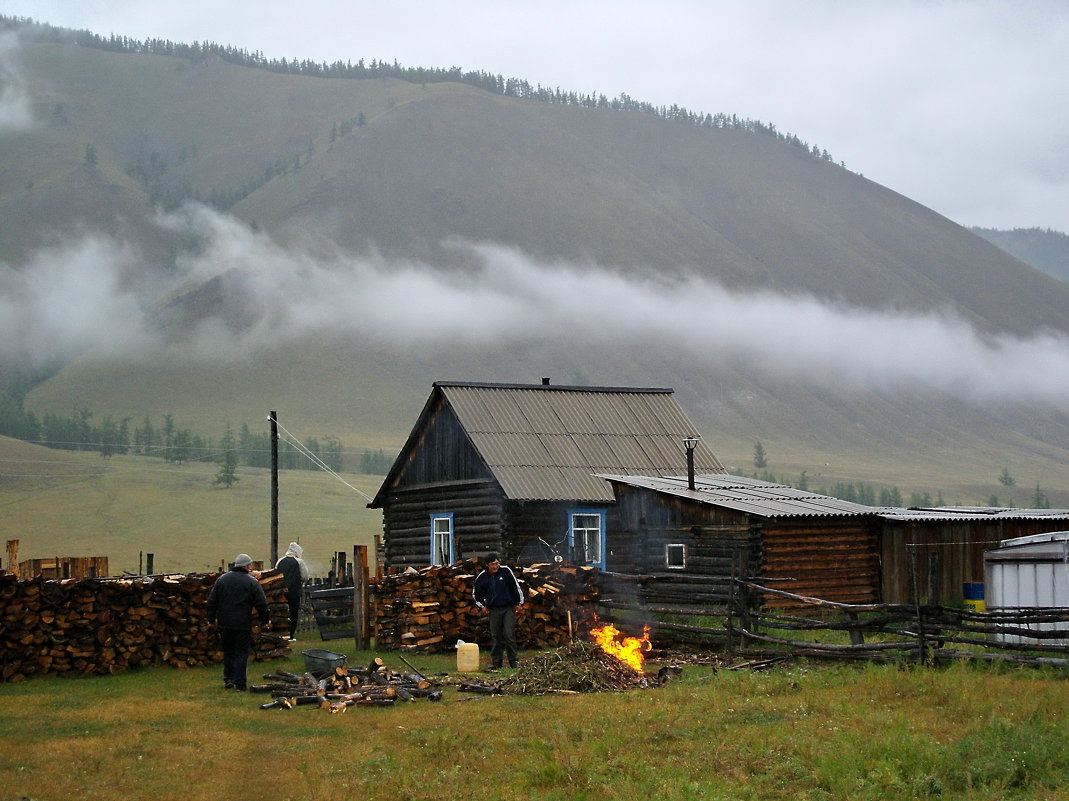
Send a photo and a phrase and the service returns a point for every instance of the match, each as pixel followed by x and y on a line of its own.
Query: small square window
pixel 675 556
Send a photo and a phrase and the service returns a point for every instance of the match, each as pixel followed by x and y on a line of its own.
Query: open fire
pixel 629 650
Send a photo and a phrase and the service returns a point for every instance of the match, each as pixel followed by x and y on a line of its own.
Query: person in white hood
pixel 296 572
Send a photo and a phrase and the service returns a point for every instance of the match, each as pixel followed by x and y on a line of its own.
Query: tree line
pixel 361 70
pixel 166 439
pixel 866 495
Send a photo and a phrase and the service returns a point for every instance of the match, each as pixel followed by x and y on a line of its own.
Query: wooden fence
pixel 876 632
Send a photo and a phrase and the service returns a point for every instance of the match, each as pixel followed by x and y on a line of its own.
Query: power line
pixel 95 446
pixel 319 462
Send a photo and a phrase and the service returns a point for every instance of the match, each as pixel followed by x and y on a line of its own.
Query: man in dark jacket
pixel 498 593
pixel 230 603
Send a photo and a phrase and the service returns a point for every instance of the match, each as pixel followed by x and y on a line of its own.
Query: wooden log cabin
pixel 512 468
pixel 592 474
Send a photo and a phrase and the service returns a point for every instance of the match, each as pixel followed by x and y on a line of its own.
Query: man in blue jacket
pixel 498 593
pixel 230 603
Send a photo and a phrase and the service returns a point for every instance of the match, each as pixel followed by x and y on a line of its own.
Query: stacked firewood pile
pixel 337 689
pixel 432 608
pixel 53 627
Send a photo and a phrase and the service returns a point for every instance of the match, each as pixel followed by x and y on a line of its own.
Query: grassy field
pixel 69 503
pixel 796 732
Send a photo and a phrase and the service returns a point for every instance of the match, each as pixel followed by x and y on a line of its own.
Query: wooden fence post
pixel 360 597
pixel 922 647
pixel 733 593
pixel 935 572
pixel 13 557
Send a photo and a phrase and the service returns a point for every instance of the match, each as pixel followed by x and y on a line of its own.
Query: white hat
pixel 242 559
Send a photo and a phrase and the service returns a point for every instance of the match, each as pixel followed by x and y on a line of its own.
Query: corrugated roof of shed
pixel 971 513
pixel 748 495
pixel 545 442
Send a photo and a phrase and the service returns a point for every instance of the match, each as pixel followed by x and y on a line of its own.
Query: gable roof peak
pixel 545 386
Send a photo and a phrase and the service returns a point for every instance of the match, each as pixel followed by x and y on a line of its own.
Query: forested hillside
pixel 202 232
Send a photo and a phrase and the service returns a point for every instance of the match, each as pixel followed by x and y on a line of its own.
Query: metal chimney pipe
pixel 690 442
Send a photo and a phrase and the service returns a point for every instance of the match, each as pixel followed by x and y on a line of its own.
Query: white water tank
pixel 1029 573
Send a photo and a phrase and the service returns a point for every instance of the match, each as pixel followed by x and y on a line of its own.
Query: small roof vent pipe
pixel 690 443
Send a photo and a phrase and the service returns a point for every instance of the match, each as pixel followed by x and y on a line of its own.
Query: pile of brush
pixel 578 667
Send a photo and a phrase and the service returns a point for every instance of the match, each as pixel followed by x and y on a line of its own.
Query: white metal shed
pixel 1028 573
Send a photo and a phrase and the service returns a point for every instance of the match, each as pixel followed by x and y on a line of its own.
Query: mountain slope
pixel 629 191
pixel 340 172
pixel 1045 250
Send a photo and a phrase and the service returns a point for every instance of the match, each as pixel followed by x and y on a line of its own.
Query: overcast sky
pixel 962 105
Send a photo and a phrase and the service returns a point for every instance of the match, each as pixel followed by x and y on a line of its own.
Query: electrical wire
pixel 317 461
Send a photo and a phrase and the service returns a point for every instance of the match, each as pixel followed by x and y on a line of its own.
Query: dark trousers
pixel 503 634
pixel 236 646
pixel 294 600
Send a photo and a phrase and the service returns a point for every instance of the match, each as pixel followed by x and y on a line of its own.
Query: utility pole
pixel 274 487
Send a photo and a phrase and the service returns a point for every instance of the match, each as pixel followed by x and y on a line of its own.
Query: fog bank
pixel 70 297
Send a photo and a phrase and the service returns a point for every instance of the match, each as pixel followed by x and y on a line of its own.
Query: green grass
pixel 801 732
pixel 64 503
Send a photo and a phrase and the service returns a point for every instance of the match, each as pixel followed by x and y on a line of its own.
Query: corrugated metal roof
pixel 748 495
pixel 1050 546
pixel 546 442
pixel 767 499
pixel 971 513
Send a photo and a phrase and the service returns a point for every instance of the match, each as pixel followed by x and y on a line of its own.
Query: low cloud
pixel 509 298
pixel 67 299
pixel 16 111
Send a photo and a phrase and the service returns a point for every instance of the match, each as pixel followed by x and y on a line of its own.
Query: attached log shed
pixel 697 539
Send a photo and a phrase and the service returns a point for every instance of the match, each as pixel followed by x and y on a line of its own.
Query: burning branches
pixel 578 667
pixel 581 667
pixel 629 650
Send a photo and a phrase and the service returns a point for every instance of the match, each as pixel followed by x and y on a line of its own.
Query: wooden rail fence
pixel 923 633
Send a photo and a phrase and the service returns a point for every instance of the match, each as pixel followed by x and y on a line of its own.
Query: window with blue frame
pixel 586 536
pixel 442 551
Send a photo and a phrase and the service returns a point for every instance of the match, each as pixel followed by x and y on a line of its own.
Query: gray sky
pixel 962 105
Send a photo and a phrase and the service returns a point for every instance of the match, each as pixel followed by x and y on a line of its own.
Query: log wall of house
pixel 948 553
pixel 444 453
pixel 528 523
pixel 477 508
pixel 834 558
pixel 718 541
pixel 444 475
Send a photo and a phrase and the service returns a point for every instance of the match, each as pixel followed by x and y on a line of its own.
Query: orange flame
pixel 629 650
